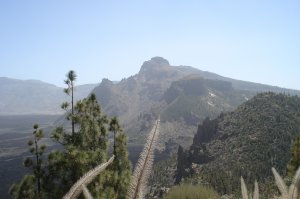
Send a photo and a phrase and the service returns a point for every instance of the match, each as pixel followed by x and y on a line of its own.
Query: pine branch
pixel 144 165
pixel 76 189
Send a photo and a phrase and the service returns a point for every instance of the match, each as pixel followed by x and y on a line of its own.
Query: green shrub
pixel 188 191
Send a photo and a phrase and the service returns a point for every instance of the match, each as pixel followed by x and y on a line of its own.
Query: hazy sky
pixel 250 40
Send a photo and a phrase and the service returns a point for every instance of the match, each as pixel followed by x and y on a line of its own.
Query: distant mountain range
pixel 34 97
pixel 182 95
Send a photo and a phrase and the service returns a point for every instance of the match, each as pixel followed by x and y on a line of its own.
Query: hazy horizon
pixel 253 41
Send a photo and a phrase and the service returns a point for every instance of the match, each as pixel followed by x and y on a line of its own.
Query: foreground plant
pixel 245 192
pixel 286 192
pixel 191 191
pixel 80 185
pixel 144 166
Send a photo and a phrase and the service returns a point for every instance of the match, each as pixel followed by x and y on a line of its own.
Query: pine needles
pixel 144 166
pixel 79 186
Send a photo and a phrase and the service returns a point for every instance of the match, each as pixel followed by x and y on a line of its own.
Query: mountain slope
pixel 34 97
pixel 246 142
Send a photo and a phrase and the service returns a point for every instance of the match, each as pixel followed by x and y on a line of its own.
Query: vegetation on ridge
pixel 246 142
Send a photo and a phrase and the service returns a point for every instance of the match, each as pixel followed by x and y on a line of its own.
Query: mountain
pixel 245 142
pixel 34 97
pixel 182 95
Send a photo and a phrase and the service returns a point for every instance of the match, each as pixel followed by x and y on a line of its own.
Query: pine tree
pixel 87 149
pixel 121 167
pixel 71 77
pixel 80 152
pixel 180 164
pixel 114 181
pixel 31 185
pixel 114 127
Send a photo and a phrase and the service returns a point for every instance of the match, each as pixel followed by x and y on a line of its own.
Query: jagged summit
pixel 160 60
pixel 106 81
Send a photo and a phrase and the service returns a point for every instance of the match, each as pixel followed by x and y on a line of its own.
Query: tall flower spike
pixel 144 165
pixel 76 189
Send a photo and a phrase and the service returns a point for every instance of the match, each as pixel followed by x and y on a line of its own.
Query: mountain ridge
pixel 140 98
pixel 21 97
pixel 144 89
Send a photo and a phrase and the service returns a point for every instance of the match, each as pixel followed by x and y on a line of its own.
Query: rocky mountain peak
pixel 154 63
pixel 160 61
pixel 106 82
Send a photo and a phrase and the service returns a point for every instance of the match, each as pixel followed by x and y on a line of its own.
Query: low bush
pixel 189 191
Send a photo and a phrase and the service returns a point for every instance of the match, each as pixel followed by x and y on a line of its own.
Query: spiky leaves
pixel 292 191
pixel 144 165
pixel 280 184
pixel 294 187
pixel 256 191
pixel 245 191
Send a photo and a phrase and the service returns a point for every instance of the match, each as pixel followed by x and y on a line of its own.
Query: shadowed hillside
pixel 246 142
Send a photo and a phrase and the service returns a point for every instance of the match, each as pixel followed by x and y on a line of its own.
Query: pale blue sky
pixel 250 40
